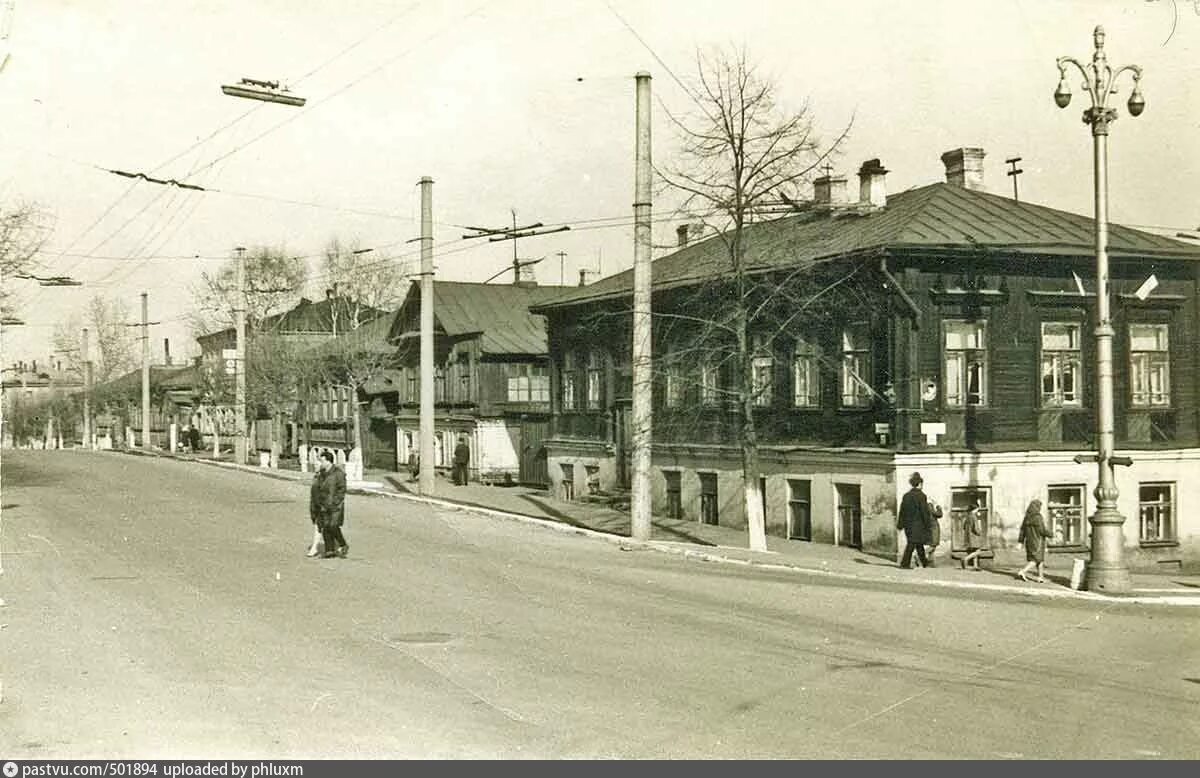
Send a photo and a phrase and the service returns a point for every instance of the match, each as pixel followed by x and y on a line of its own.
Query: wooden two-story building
pixel 942 329
pixel 491 383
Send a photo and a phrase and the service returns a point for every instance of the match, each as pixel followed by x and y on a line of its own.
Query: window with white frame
pixel 1061 364
pixel 1149 365
pixel 856 366
pixel 762 370
pixel 1065 515
pixel 439 384
pixel 595 381
pixel 528 383
pixel 1156 511
pixel 567 374
pixel 806 388
pixel 966 363
pixel 710 382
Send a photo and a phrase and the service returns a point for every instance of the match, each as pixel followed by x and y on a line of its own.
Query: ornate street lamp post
pixel 1107 571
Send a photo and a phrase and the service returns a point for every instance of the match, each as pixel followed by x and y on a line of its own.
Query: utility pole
pixel 425 481
pixel 1013 172
pixel 239 313
pixel 640 514
pixel 145 370
pixel 562 264
pixel 513 233
pixel 87 390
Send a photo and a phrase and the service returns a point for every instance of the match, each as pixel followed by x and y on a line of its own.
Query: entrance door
pixel 533 469
pixel 624 443
pixel 849 509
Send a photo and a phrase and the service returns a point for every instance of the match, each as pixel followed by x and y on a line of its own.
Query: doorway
pixel 849 515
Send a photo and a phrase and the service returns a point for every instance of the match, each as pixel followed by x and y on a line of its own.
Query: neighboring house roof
pixel 498 313
pixel 935 217
pixel 371 337
pixel 306 317
pixel 172 377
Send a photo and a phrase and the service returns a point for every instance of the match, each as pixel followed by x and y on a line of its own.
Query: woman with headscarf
pixel 1033 535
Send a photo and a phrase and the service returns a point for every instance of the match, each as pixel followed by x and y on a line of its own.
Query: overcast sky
pixel 484 97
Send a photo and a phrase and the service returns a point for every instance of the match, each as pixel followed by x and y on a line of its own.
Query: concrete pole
pixel 145 370
pixel 642 363
pixel 86 361
pixel 426 481
pixel 1107 571
pixel 239 312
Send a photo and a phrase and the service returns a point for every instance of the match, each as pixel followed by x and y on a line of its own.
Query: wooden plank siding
pixel 1014 296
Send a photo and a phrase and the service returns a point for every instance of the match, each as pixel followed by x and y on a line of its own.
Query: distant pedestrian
pixel 935 531
pixel 914 518
pixel 1033 535
pixel 414 464
pixel 974 537
pixel 462 461
pixel 327 509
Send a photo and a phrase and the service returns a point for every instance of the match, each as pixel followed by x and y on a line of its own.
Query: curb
pixel 671 547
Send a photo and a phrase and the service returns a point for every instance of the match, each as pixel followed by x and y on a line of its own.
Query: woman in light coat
pixel 1033 535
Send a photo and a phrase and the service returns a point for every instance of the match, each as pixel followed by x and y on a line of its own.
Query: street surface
pixel 156 608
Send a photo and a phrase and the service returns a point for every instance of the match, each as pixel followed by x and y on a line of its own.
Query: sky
pixel 525 105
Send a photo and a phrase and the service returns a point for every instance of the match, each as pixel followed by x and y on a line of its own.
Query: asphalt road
pixel 155 608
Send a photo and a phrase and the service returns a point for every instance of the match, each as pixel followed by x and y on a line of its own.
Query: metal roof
pixel 498 313
pixel 938 216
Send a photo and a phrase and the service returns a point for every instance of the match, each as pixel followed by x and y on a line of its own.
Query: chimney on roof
pixel 830 190
pixel 682 232
pixel 167 350
pixel 964 167
pixel 35 367
pixel 871 187
pixel 689 232
pixel 583 274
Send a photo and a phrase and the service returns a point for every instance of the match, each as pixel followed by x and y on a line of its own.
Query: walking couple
pixel 919 520
pixel 327 510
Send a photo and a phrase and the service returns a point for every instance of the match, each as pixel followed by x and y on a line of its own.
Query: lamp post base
pixel 1107 572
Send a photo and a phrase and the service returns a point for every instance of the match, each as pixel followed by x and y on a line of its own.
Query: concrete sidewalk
pixel 694 540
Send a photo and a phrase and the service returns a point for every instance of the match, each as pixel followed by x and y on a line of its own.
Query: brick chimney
pixel 872 190
pixel 830 190
pixel 964 167
pixel 682 233
pixel 167 350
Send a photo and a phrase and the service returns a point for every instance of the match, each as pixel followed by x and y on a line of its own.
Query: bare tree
pixel 274 280
pixel 24 229
pixel 113 343
pixel 740 154
pixel 363 285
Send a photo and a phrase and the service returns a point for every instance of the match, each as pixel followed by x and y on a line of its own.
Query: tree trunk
pixel 358 441
pixel 751 492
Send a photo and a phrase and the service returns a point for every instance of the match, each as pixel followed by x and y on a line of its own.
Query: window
pixel 966 363
pixel 799 509
pixel 710 382
pixel 674 380
pixel 1149 365
pixel 595 381
pixel 528 383
pixel 961 500
pixel 762 370
pixel 464 378
pixel 568 382
pixel 568 482
pixel 806 389
pixel 1061 371
pixel 439 384
pixel 414 389
pixel 674 494
pixel 1156 511
pixel 708 498
pixel 856 367
pixel 1064 508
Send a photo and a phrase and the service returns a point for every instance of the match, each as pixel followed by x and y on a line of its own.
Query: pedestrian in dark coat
pixel 974 537
pixel 328 505
pixel 1033 535
pixel 915 520
pixel 462 461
